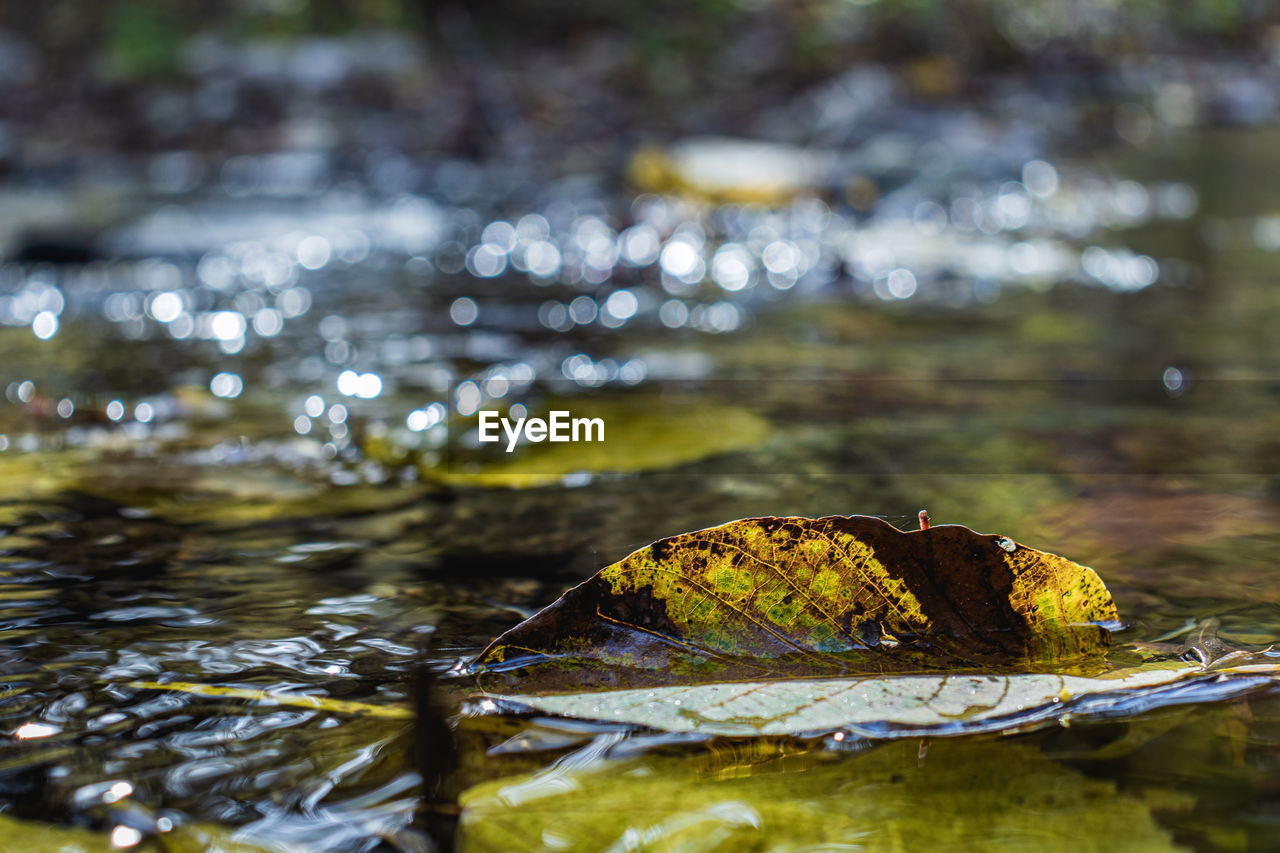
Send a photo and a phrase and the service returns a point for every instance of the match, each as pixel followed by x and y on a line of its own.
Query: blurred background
pixel 264 260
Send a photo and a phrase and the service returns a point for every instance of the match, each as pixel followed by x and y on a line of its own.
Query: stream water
pixel 225 460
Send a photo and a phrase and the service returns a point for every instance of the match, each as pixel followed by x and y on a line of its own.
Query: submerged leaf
pixel 965 795
pixel 900 705
pixel 29 836
pixel 278 697
pixel 828 594
pixel 644 433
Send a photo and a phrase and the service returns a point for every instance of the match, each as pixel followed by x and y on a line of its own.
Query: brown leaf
pixel 829 594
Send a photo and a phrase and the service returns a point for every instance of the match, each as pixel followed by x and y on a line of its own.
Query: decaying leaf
pixel 834 594
pixel 894 706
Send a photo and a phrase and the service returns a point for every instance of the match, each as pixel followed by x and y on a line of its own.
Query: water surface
pixel 226 462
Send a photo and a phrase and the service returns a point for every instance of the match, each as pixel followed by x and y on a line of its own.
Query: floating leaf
pixel 688 616
pixel 901 705
pixel 828 594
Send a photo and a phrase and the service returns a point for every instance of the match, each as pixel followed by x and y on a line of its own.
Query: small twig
pixel 924 519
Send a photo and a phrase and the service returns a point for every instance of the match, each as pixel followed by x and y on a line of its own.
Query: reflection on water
pixel 99 597
pixel 225 287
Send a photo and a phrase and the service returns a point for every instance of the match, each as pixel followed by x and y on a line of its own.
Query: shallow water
pixel 259 540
